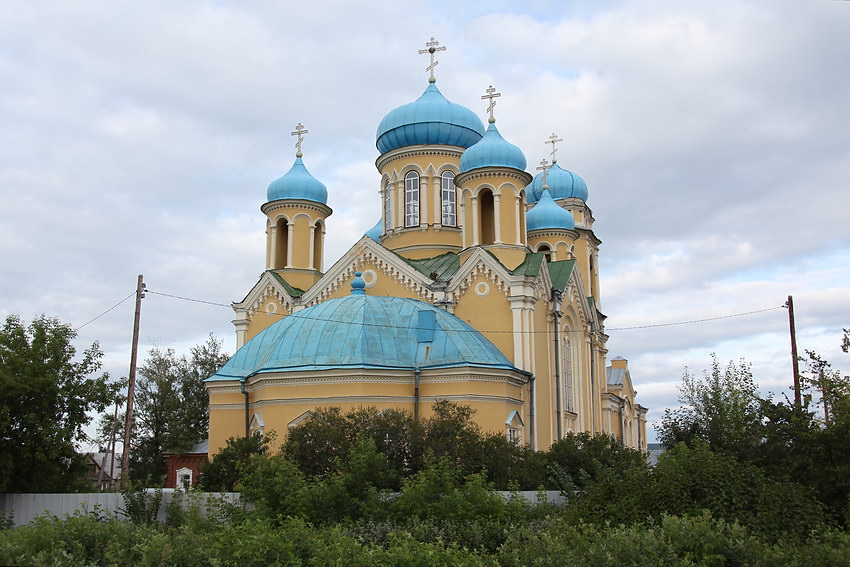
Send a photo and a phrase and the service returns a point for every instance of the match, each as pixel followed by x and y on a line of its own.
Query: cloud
pixel 141 139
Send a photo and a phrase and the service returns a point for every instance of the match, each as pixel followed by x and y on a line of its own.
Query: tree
pixel 45 398
pixel 721 408
pixel 227 467
pixel 172 405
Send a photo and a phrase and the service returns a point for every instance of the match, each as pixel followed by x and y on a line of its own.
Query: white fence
pixel 24 508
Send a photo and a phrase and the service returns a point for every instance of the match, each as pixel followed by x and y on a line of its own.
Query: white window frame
pixel 411 199
pixel 569 398
pixel 184 479
pixel 448 195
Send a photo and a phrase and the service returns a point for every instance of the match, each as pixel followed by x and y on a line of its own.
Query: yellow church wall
pixel 301 242
pixel 544 373
pixel 413 243
pixel 227 417
pixel 301 278
pixel 262 319
pixel 487 314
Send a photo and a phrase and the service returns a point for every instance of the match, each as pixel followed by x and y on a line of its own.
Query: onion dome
pixel 297 183
pixel 375 232
pixel 363 331
pixel 492 151
pixel 546 214
pixel 429 120
pixel 563 184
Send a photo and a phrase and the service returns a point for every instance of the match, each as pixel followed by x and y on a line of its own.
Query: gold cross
pixel 554 139
pixel 431 50
pixel 299 131
pixel 491 94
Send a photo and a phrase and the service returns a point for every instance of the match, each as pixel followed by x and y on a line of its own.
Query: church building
pixel 479 284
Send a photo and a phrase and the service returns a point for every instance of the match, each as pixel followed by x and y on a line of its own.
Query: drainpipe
pixel 592 378
pixel 247 409
pixel 532 425
pixel 416 393
pixel 556 320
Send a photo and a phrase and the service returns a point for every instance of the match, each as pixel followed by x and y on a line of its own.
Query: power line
pixel 105 312
pixel 329 320
pixel 696 320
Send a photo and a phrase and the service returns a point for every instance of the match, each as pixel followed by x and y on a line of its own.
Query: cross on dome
pixel 431 50
pixel 544 166
pixel 554 139
pixel 299 131
pixel 491 94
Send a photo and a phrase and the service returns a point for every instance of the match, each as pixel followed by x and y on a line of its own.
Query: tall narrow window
pixel 568 375
pixel 388 208
pixel 411 199
pixel 488 217
pixel 449 194
pixel 544 249
pixel 317 246
pixel 282 244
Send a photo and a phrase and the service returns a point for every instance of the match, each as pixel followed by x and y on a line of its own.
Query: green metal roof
pixel 291 290
pixel 444 265
pixel 530 266
pixel 559 272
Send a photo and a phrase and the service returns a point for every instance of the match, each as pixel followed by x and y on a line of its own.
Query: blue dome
pixel 376 231
pixel 563 184
pixel 547 214
pixel 492 151
pixel 363 331
pixel 297 183
pixel 430 119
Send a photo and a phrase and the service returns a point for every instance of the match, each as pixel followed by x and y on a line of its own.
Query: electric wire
pixel 493 331
pixel 105 312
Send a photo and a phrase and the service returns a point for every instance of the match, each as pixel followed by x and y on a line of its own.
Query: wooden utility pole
pixel 790 305
pixel 131 386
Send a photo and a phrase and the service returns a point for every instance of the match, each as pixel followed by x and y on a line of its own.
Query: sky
pixel 140 138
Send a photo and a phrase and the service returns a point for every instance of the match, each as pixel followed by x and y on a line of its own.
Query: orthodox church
pixel 479 284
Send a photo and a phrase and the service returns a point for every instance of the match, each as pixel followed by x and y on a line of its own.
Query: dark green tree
pixel 45 398
pixel 721 408
pixel 172 405
pixel 579 459
pixel 227 467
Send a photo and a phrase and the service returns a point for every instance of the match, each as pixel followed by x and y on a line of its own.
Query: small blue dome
pixel 547 214
pixel 376 231
pixel 297 183
pixel 563 184
pixel 431 119
pixel 363 331
pixel 492 151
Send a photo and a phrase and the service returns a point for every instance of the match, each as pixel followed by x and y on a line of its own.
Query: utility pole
pixel 790 305
pixel 131 386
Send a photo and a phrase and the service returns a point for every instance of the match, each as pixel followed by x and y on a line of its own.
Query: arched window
pixel 568 376
pixel 544 249
pixel 317 246
pixel 488 217
pixel 388 208
pixel 449 195
pixel 411 199
pixel 282 244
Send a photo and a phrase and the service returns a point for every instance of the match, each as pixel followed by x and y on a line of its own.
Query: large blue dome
pixel 431 119
pixel 492 151
pixel 563 184
pixel 362 331
pixel 547 214
pixel 297 183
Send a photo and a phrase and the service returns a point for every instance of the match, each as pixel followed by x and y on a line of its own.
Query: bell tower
pixel 296 210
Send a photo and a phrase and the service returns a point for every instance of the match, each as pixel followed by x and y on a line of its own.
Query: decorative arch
pixel 318 237
pixel 281 243
pixel 486 215
pixel 545 248
pixel 448 198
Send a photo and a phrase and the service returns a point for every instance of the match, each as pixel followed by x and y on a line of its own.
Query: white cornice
pixel 414 151
pixel 320 208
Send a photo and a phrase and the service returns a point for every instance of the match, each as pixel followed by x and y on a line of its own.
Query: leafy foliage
pixel 172 405
pixel 229 465
pixel 45 396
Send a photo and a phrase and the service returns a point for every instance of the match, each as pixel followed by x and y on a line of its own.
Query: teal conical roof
pixel 297 183
pixel 547 214
pixel 492 151
pixel 429 120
